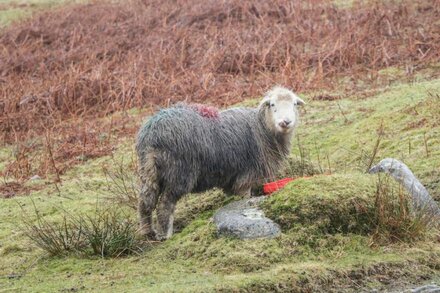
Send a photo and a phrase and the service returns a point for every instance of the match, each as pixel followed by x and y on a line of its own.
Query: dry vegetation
pixel 62 70
pixel 72 63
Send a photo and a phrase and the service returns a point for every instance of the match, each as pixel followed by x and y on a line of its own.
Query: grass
pixel 333 204
pixel 10 15
pixel 16 10
pixel 107 232
pixel 5 153
pixel 327 235
pixel 411 124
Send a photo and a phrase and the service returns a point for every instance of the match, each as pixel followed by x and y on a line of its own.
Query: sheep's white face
pixel 282 113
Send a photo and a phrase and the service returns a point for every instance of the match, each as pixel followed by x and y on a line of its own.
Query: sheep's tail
pixel 149 191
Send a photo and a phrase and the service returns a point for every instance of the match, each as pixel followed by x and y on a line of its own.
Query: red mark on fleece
pixel 205 111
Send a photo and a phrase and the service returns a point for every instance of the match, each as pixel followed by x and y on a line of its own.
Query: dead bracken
pixel 70 62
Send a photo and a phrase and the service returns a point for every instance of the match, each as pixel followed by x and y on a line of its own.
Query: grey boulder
pixel 243 219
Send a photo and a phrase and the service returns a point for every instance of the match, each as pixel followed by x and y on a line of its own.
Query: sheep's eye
pixel 272 105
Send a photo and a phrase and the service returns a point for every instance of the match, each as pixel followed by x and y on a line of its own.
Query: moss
pixel 328 277
pixel 199 242
pixel 192 206
pixel 325 204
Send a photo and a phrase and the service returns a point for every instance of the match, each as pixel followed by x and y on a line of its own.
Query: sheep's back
pixel 227 143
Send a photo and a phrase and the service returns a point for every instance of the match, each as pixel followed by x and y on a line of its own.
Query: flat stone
pixel 426 289
pixel 430 288
pixel 244 219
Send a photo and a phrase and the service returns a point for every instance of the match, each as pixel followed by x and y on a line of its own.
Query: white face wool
pixel 282 104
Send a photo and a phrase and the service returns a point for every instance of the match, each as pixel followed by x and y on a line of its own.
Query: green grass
pixel 10 15
pixel 340 203
pixel 16 10
pixel 326 220
pixel 346 130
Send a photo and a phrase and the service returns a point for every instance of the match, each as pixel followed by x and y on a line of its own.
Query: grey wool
pixel 189 148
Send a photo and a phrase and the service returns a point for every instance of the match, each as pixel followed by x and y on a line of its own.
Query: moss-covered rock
pixel 325 204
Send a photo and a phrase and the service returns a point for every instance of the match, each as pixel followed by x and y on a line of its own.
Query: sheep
pixel 190 149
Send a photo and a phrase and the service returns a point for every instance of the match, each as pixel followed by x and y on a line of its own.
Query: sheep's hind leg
pixel 149 193
pixel 147 204
pixel 165 216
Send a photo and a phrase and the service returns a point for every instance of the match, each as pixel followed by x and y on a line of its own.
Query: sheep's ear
pixel 299 102
pixel 265 102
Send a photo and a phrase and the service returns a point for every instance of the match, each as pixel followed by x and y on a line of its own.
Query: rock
pixel 430 288
pixel 425 289
pixel 35 177
pixel 244 219
pixel 423 203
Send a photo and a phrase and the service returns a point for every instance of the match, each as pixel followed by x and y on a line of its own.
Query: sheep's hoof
pixel 162 237
pixel 153 236
pixel 147 235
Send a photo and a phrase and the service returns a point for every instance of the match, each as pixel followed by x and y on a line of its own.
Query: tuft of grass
pixel 394 218
pixel 106 233
pixel 110 233
pixel 58 237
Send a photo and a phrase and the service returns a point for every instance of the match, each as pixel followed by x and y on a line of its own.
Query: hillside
pixel 195 259
pixel 69 122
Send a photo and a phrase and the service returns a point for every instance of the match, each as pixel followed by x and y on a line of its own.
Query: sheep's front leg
pixel 242 188
pixel 165 217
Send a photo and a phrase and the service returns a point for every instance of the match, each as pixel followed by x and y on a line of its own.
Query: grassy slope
pixel 410 118
pixel 195 260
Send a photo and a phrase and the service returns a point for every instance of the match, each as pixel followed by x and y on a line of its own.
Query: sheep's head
pixel 279 107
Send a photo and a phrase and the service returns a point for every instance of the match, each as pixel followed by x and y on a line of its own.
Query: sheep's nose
pixel 285 123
